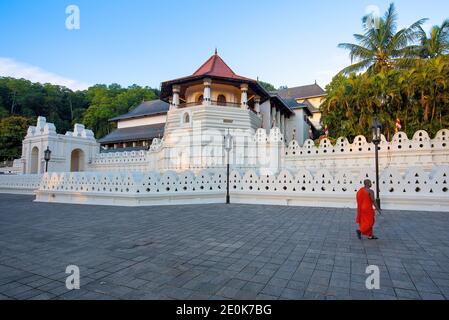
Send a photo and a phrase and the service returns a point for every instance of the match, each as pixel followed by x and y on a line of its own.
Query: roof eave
pixel 314 96
pixel 165 90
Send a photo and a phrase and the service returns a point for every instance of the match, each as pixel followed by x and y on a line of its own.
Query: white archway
pixel 77 160
pixel 34 165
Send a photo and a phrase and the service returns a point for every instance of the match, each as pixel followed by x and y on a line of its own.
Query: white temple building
pixel 191 117
pixel 172 151
pixel 216 98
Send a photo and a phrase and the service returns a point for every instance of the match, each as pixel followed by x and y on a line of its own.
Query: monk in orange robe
pixel 365 212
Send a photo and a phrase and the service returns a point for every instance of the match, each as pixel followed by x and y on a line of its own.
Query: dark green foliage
pixel 12 131
pixel 61 106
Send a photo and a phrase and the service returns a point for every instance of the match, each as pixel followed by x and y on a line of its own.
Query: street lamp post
pixel 376 130
pixel 47 156
pixel 228 148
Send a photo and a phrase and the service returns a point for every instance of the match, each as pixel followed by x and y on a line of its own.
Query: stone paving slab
pixel 217 252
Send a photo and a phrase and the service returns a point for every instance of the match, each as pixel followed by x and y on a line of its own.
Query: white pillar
pixel 278 119
pixel 176 89
pixel 273 117
pixel 257 104
pixel 282 124
pixel 285 131
pixel 244 96
pixel 207 93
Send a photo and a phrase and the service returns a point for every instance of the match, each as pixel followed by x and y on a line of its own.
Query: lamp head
pixel 376 131
pixel 228 142
pixel 47 154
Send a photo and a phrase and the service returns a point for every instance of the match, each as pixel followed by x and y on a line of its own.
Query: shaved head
pixel 367 183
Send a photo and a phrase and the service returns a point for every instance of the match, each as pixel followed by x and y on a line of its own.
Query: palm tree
pixel 381 47
pixel 436 44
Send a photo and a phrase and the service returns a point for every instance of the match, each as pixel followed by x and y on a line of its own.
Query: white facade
pixel 414 172
pixel 70 152
pixel 143 121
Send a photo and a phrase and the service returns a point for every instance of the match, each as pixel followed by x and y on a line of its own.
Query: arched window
pixel 34 160
pixel 221 100
pixel 186 118
pixel 77 160
pixel 200 99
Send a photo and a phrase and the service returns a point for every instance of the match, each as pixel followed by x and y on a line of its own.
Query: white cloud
pixel 12 68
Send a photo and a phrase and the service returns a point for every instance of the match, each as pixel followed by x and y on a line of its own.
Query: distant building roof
pixel 139 133
pixel 302 92
pixel 290 104
pixel 294 105
pixel 146 108
pixel 312 108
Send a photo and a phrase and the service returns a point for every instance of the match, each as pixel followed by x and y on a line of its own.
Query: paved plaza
pixel 217 252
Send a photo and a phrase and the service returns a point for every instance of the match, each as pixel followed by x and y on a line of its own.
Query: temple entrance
pixel 34 160
pixel 77 161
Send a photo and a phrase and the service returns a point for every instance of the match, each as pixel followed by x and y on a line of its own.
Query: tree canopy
pixel 22 101
pixel 406 77
pixel 382 47
pixel 267 86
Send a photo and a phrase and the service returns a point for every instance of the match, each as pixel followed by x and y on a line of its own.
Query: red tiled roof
pixel 215 66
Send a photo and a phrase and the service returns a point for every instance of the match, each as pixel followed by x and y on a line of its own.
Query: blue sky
pixel 284 42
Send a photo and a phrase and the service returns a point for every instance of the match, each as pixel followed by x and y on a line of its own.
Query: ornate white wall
pixel 44 134
pixel 20 184
pixel 188 167
pixel 187 151
pixel 415 190
pixel 401 153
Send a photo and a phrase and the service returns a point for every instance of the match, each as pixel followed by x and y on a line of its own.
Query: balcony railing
pixel 212 103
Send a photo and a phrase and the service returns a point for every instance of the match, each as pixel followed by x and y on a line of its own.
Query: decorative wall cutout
pixel 414 183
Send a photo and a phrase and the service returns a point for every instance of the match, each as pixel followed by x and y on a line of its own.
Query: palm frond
pixel 357 67
pixel 356 52
pixel 390 19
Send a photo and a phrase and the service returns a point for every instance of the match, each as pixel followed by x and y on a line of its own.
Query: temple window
pixel 186 118
pixel 221 100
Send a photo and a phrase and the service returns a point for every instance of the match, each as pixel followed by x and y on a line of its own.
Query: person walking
pixel 365 212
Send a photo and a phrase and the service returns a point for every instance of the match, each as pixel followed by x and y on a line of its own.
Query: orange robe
pixel 365 212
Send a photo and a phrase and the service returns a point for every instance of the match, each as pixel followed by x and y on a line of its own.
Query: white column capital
pixel 207 82
pixel 244 87
pixel 176 88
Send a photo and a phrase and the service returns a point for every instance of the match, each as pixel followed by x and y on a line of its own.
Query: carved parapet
pixel 260 136
pixel 42 128
pixel 275 135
